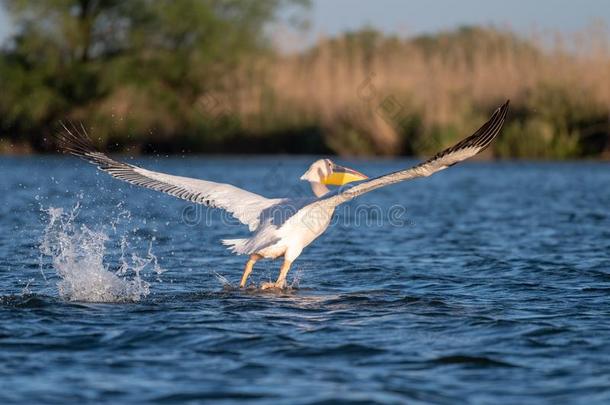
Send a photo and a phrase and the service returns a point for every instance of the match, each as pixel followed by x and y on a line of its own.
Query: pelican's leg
pixel 253 259
pixel 281 279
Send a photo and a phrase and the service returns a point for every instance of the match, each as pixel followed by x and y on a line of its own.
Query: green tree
pixel 68 55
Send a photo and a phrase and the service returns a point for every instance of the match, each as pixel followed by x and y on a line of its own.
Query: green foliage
pixel 346 137
pixel 137 72
pixel 536 138
pixel 83 58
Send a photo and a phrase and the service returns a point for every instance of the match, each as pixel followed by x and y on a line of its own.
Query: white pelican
pixel 281 227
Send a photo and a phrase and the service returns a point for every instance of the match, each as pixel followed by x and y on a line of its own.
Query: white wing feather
pixel 243 205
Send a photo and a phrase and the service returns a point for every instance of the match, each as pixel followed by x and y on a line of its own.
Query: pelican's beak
pixel 343 175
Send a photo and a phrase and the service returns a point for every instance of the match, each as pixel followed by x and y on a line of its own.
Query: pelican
pixel 280 227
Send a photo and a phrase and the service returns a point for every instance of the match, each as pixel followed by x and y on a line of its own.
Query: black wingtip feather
pixel 75 140
pixel 483 137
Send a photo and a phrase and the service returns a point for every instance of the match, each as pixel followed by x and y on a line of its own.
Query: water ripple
pixel 496 292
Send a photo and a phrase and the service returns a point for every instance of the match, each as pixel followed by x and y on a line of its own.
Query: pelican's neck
pixel 318 189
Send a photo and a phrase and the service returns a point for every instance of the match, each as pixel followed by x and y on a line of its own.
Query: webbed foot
pixel 270 285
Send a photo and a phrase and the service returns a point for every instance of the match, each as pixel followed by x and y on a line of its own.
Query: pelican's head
pixel 325 171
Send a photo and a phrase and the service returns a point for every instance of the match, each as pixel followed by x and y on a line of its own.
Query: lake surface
pixel 487 283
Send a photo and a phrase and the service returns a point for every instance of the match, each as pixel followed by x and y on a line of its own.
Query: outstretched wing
pixel 242 204
pixel 463 150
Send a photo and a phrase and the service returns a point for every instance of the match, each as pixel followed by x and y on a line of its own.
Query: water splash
pixel 296 278
pixel 77 253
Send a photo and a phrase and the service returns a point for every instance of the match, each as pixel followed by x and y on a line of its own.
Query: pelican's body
pixel 281 231
pixel 281 227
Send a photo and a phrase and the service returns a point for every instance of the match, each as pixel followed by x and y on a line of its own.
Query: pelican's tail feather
pixel 255 244
pixel 238 246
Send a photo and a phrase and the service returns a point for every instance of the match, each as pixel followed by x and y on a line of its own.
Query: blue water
pixel 487 283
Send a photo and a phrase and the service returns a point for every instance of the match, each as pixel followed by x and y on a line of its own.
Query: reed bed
pixel 371 94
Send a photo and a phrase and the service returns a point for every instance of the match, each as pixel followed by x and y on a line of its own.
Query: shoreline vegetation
pixel 202 77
